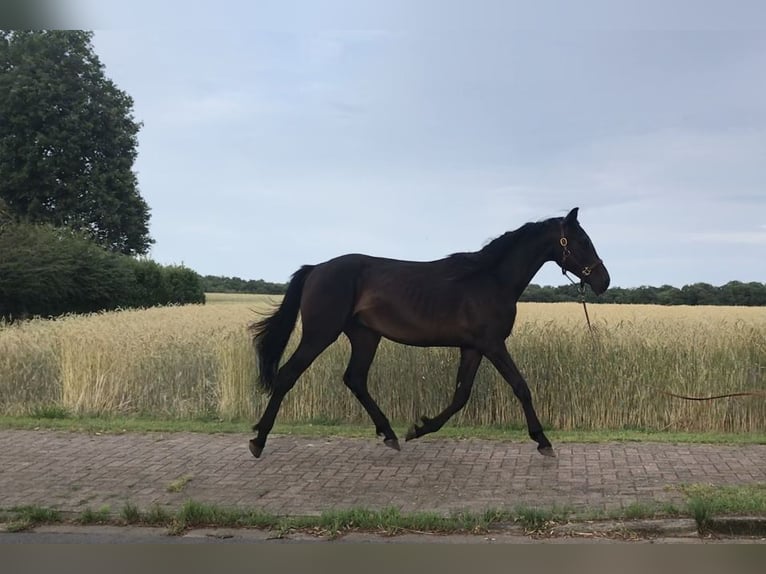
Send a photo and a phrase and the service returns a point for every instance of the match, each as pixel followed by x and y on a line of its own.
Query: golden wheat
pixel 197 361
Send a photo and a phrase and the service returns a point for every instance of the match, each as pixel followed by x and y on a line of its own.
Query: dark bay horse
pixel 467 300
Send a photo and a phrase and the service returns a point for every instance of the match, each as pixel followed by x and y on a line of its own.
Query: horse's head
pixel 578 256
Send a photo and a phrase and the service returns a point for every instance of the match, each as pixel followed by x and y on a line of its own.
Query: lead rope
pixel 585 307
pixel 581 289
pixel 726 396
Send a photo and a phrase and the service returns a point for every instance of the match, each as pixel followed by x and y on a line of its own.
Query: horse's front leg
pixel 507 368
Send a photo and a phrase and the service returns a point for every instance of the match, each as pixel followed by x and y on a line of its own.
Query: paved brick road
pixel 74 471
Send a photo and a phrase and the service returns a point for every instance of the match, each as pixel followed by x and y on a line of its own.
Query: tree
pixel 68 140
pixel 699 294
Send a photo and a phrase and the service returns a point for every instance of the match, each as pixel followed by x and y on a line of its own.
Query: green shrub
pixel 47 271
pixel 150 288
pixel 183 285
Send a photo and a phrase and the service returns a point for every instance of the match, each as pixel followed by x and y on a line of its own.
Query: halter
pixel 584 272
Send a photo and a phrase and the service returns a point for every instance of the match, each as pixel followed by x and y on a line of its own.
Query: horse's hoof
pixel 392 443
pixel 547 451
pixel 255 449
pixel 412 433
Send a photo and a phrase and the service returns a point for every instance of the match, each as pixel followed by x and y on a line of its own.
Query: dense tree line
pixel 221 284
pixel 732 293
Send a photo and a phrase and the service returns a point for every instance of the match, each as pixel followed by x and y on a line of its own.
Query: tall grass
pixel 197 361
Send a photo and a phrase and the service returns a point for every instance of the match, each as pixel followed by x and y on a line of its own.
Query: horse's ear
pixel 572 216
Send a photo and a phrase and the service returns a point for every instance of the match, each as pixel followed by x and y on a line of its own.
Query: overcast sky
pixel 284 134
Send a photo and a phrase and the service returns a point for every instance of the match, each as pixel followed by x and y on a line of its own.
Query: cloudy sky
pixel 278 134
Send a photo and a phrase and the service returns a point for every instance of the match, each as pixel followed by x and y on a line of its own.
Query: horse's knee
pixel 355 383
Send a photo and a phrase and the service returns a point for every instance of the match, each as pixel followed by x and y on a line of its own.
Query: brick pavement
pixel 300 476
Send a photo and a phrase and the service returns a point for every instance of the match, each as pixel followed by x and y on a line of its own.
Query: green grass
pixel 89 516
pixel 50 412
pixel 536 519
pixel 22 518
pixel 196 514
pixel 639 510
pixel 311 430
pixel 746 499
pixel 179 483
pixel 155 516
pixel 704 504
pixel 333 523
pixel 130 513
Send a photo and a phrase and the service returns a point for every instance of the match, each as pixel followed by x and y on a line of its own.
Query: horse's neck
pixel 524 259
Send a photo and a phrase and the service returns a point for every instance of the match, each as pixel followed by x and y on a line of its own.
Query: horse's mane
pixel 489 256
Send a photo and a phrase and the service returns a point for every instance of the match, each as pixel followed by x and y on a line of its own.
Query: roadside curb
pixel 737 525
pixel 643 528
pixel 750 527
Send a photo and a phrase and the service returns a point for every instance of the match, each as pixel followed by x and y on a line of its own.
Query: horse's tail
pixel 271 335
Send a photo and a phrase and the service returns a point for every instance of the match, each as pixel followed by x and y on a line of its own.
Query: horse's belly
pixel 409 329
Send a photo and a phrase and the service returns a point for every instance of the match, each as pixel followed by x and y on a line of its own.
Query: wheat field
pixel 197 361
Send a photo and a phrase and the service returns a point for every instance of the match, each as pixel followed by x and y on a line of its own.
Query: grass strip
pixel 704 503
pixel 311 430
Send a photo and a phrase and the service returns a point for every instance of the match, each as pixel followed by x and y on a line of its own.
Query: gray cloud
pixel 268 148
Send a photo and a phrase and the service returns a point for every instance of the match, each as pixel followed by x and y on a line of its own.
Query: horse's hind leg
pixel 364 343
pixel 470 359
pixel 326 305
pixel 308 349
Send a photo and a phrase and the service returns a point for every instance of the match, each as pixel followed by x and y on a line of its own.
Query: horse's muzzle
pixel 598 279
